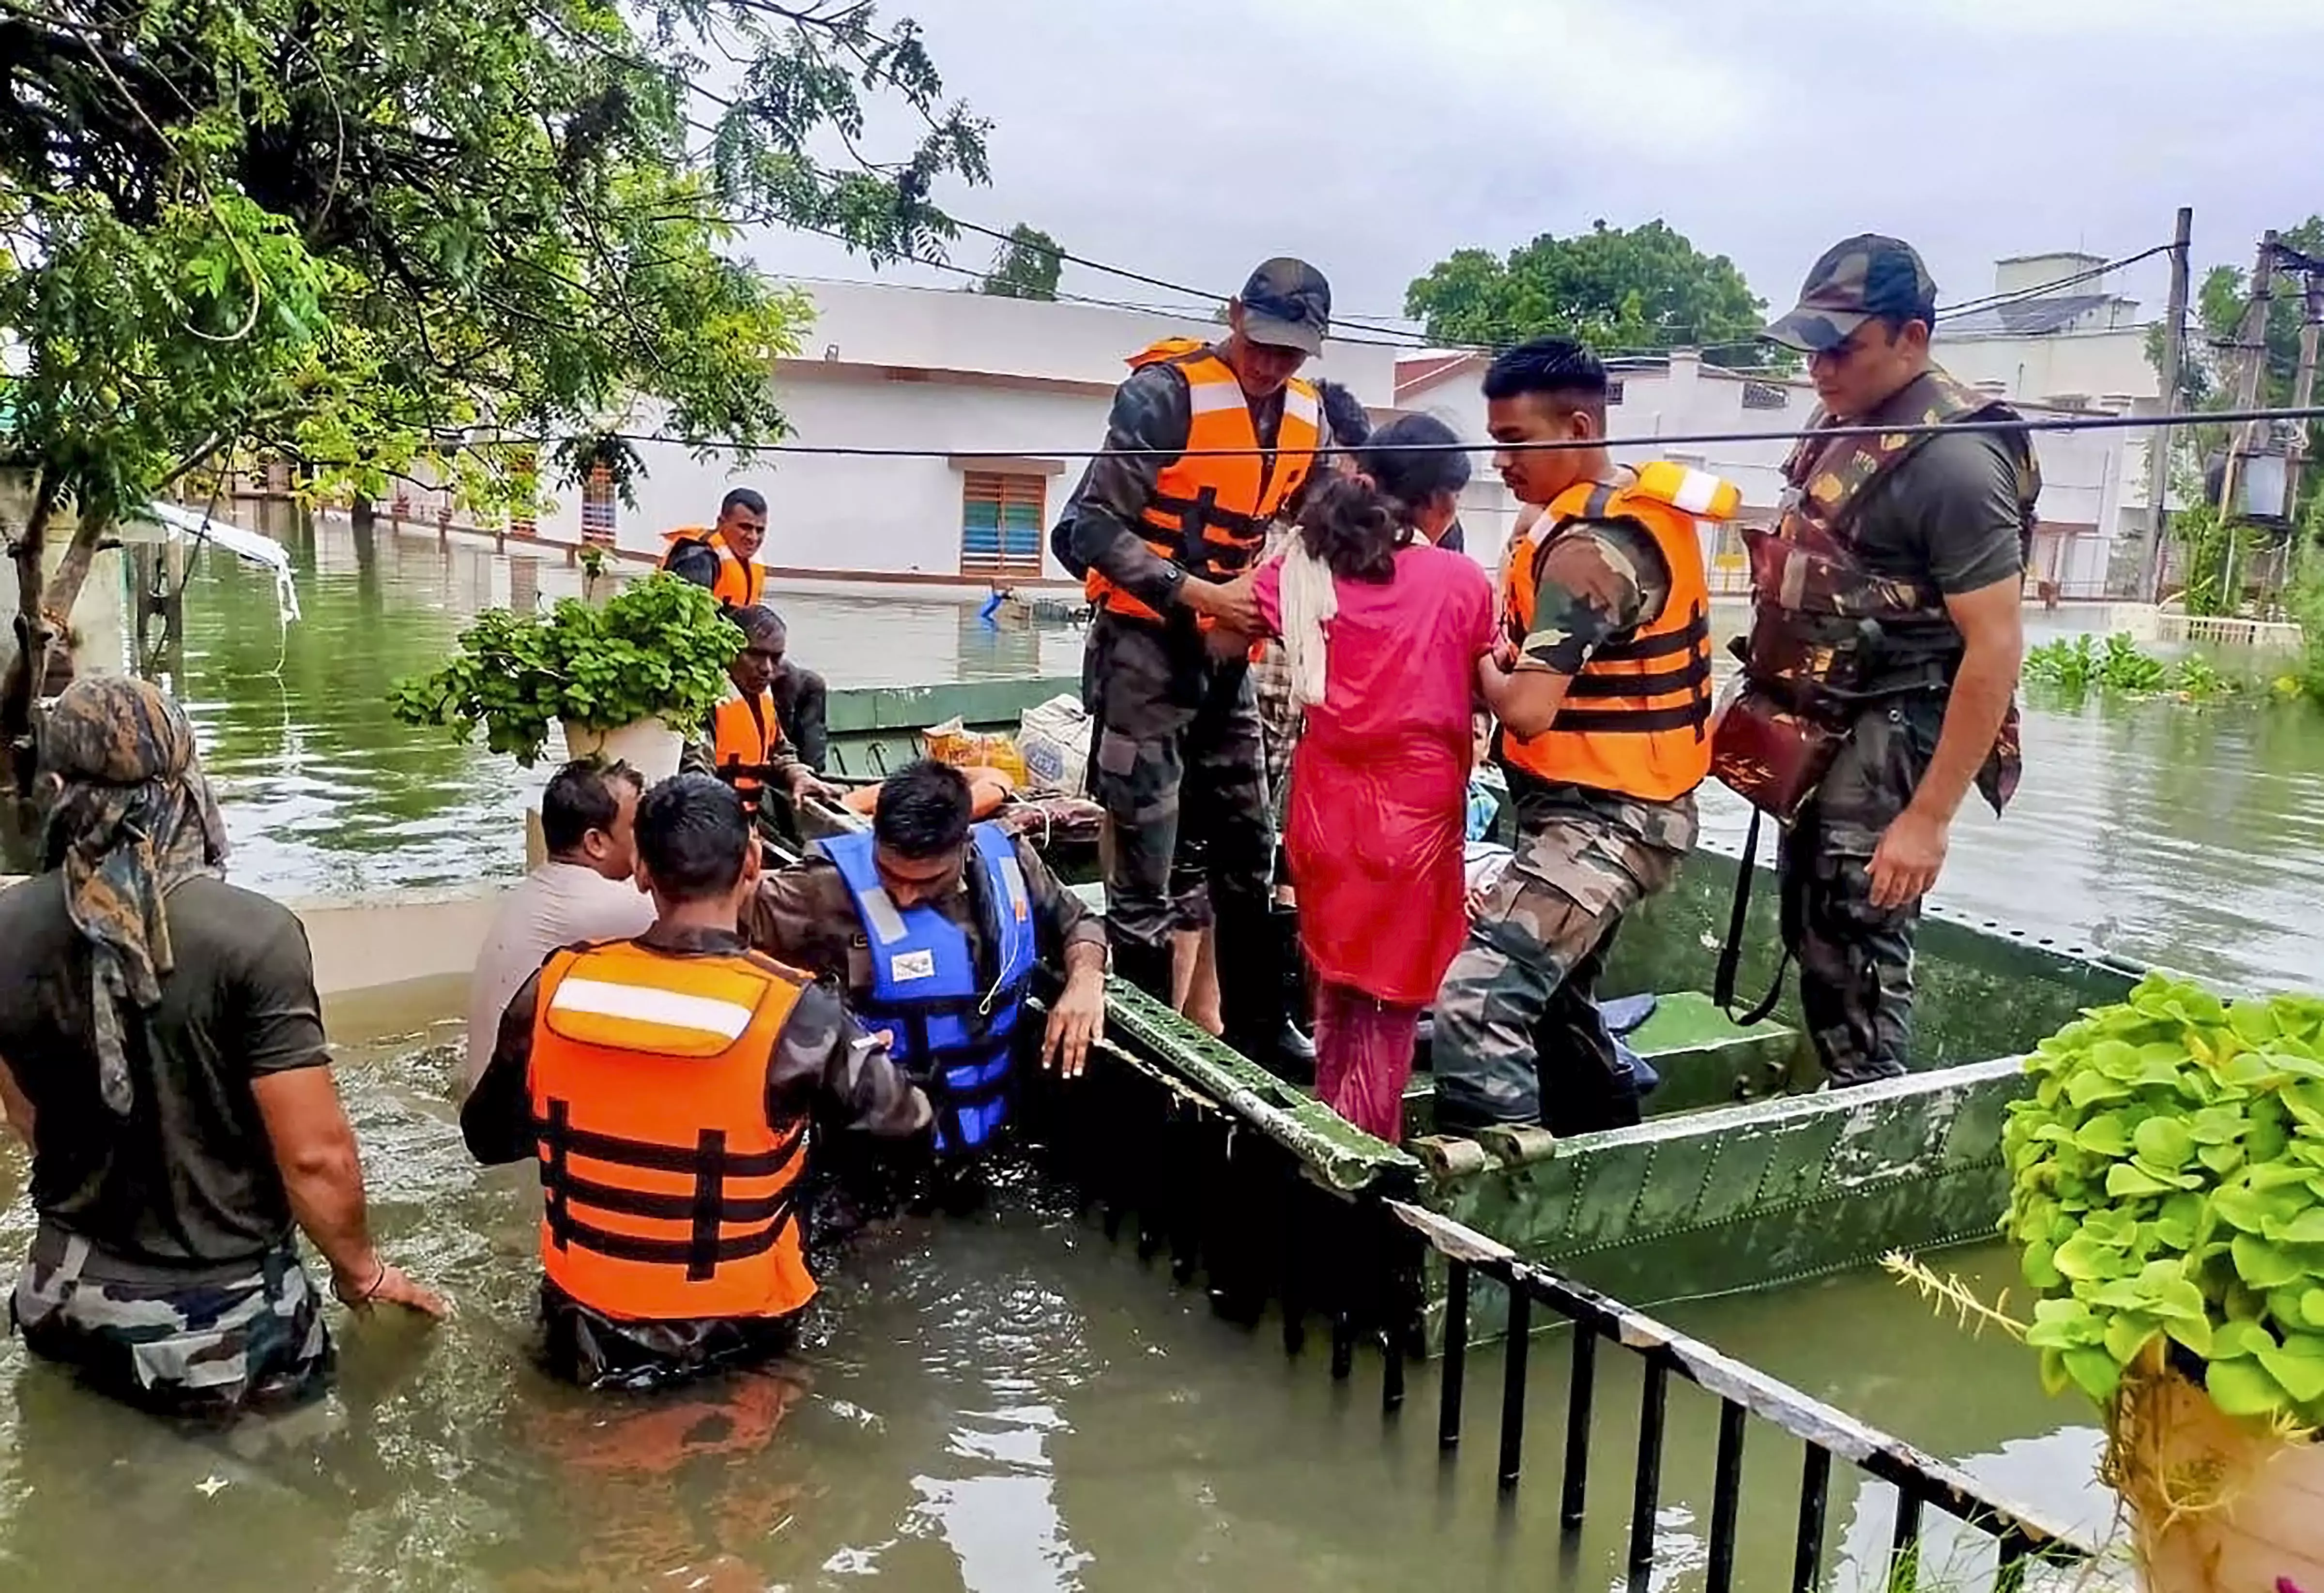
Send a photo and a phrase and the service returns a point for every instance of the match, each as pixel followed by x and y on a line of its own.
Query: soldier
pixel 1882 665
pixel 1602 687
pixel 1206 445
pixel 161 1050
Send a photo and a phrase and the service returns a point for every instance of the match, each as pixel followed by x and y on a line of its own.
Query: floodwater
pixel 1011 1401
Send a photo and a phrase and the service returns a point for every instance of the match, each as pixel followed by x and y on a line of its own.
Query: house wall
pixel 943 373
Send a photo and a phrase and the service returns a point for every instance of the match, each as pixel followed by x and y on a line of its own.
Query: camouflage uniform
pixel 241 1337
pixel 1893 525
pixel 1584 858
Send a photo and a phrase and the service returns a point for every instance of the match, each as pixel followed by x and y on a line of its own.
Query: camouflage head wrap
pixel 132 819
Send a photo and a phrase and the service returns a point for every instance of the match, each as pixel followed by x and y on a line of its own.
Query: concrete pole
pixel 2303 386
pixel 2252 341
pixel 2158 441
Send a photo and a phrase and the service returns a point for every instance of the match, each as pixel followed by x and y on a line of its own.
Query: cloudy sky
pixel 1188 139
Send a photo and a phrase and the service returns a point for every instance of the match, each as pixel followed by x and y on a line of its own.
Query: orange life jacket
pixel 744 733
pixel 741 580
pixel 667 1192
pixel 1636 720
pixel 1208 511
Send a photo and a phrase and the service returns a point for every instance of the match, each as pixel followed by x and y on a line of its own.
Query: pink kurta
pixel 1379 781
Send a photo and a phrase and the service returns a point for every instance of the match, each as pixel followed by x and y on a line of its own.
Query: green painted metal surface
pixel 876 730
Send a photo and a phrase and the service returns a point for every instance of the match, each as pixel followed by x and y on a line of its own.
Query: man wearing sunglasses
pixel 1885 641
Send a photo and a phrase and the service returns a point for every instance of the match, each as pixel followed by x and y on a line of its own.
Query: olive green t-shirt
pixel 187 1178
pixel 1948 514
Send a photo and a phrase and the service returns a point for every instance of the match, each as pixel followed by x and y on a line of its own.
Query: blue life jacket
pixel 950 1029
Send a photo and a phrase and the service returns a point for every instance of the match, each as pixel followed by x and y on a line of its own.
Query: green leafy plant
pixel 658 650
pixel 2077 664
pixel 2168 1200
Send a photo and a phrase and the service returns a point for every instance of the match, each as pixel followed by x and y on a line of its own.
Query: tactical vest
pixel 741 580
pixel 743 732
pixel 1210 508
pixel 667 1192
pixel 950 1027
pixel 1829 633
pixel 1635 721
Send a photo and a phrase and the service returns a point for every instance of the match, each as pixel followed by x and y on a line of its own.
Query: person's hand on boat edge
pixel 1076 1021
pixel 1910 856
pixel 806 785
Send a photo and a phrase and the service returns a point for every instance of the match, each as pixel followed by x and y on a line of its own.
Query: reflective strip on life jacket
pixel 951 1028
pixel 743 736
pixel 1210 509
pixel 1637 719
pixel 741 582
pixel 666 1191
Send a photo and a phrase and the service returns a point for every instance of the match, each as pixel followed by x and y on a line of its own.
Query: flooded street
pixel 1011 1401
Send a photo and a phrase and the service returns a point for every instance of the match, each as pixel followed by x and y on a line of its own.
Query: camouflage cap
pixel 1857 279
pixel 1288 304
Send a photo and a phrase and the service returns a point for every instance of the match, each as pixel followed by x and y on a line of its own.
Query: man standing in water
pixel 1604 701
pixel 724 558
pixel 1204 448
pixel 161 1049
pixel 665 1084
pixel 1885 643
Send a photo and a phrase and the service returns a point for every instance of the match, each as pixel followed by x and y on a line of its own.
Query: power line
pixel 2059 423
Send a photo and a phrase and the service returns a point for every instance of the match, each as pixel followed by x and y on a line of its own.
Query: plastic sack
pixel 1054 738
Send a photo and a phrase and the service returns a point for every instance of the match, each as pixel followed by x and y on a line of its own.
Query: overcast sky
pixel 1191 138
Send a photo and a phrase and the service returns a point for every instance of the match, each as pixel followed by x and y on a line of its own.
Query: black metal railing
pixel 1921 1480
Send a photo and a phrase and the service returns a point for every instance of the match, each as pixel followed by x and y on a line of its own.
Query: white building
pixel 2078 346
pixel 1680 396
pixel 957 375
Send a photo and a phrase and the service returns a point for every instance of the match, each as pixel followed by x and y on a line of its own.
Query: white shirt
pixel 554 905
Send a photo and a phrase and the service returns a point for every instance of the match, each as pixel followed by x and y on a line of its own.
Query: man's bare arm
pixel 15 1106
pixel 315 1151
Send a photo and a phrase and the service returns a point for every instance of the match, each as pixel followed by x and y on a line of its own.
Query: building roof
pixel 2027 317
pixel 1425 371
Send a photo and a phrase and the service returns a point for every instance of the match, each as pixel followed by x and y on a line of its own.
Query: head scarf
pixel 132 819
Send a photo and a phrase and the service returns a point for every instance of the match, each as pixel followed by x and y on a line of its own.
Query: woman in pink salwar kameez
pixel 1383 631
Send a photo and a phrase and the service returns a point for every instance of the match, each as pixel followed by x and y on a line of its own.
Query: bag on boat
pixel 1054 739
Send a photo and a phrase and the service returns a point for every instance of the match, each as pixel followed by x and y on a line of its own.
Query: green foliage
pixel 2204 543
pixel 1026 267
pixel 1637 288
pixel 658 650
pixel 2222 295
pixel 2306 606
pixel 2077 664
pixel 372 237
pixel 2168 1197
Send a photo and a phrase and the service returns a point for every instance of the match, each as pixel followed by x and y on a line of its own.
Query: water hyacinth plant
pixel 2168 1200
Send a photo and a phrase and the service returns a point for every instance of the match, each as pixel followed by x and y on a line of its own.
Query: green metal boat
pixel 1743 1176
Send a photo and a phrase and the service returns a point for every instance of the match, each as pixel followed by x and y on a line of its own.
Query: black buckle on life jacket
pixel 708 1210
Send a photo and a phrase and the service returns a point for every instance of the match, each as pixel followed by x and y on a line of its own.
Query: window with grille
pixel 1003 518
pixel 1613 390
pixel 1765 395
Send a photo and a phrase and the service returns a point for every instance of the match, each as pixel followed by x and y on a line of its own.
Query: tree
pixel 1026 267
pixel 367 236
pixel 1620 289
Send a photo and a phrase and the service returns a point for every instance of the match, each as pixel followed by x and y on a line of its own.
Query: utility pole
pixel 2303 384
pixel 2251 348
pixel 2158 442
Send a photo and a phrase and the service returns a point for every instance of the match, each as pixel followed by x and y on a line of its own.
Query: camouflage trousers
pixel 1856 960
pixel 1175 762
pixel 1518 1035
pixel 235 1339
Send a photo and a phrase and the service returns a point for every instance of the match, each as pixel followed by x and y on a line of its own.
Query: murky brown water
pixel 1009 1403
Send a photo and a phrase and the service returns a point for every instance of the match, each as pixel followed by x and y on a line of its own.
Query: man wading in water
pixel 161 1048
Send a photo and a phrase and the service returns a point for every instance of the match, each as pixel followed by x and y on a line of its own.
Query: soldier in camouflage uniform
pixel 1885 645
pixel 1603 695
pixel 1207 445
pixel 181 1109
